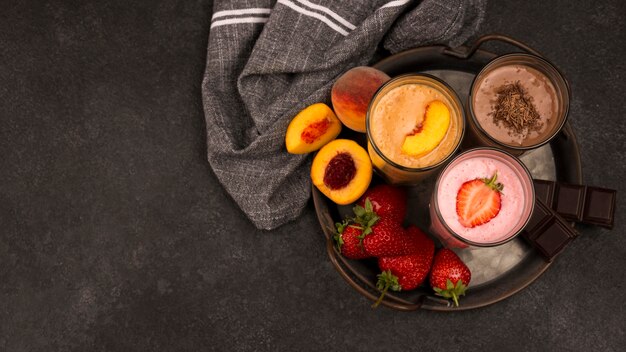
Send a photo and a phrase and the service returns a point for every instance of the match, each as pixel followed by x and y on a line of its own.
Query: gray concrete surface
pixel 116 236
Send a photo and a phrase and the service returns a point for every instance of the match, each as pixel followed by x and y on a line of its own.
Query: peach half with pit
pixel 429 131
pixel 342 171
pixel 352 92
pixel 311 129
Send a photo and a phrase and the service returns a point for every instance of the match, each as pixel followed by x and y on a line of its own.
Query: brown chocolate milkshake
pixel 516 105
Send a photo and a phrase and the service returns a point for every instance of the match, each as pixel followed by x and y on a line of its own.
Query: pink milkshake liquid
pixel 517 199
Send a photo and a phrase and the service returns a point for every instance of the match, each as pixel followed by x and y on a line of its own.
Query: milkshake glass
pixel 517 199
pixel 391 117
pixel 546 90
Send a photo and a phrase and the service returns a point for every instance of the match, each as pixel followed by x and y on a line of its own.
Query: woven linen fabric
pixel 267 60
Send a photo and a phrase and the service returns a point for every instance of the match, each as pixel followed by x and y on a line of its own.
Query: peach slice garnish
pixel 427 135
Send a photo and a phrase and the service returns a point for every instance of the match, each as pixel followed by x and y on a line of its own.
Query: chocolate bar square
pixel 547 231
pixel 570 200
pixel 544 190
pixel 599 207
pixel 553 238
pixel 540 214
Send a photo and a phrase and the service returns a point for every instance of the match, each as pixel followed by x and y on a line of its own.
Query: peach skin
pixel 352 92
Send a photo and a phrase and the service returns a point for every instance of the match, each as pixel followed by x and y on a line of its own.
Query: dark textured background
pixel 115 234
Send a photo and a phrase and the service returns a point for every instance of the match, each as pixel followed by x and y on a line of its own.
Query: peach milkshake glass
pixel 484 197
pixel 414 124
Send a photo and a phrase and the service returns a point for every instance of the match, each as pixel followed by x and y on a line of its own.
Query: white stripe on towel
pixel 395 3
pixel 239 20
pixel 253 11
pixel 306 12
pixel 328 11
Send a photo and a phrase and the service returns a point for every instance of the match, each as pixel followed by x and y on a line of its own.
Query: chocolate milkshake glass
pixel 516 199
pixel 397 111
pixel 517 102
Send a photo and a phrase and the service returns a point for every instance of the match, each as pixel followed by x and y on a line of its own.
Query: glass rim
pixel 463 239
pixel 563 96
pixel 455 99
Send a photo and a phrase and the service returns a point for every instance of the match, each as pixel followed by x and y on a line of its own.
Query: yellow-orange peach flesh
pixel 342 171
pixel 311 129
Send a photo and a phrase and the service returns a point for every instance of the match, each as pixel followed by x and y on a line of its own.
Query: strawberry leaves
pixel 366 217
pixel 491 182
pixel 449 276
pixel 386 281
pixel 452 291
pixel 340 226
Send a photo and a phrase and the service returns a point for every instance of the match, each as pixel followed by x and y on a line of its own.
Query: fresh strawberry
pixel 478 201
pixel 449 276
pixel 406 272
pixel 348 241
pixel 387 201
pixel 425 243
pixel 411 269
pixel 382 236
pixel 389 238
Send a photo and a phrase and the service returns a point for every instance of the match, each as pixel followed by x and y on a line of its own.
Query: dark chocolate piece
pixel 570 200
pixel 544 190
pixel 579 203
pixel 553 238
pixel 547 231
pixel 539 216
pixel 599 207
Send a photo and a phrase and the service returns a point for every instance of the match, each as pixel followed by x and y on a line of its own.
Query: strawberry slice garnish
pixel 478 201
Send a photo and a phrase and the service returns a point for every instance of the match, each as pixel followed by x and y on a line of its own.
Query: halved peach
pixel 430 132
pixel 342 170
pixel 352 92
pixel 313 127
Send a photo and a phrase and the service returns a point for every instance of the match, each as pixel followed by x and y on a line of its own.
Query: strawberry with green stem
pixel 449 276
pixel 406 272
pixel 383 236
pixel 352 231
pixel 348 240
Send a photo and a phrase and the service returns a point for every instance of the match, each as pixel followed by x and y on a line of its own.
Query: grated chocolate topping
pixel 515 109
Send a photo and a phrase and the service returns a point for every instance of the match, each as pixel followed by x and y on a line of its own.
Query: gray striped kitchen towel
pixel 269 59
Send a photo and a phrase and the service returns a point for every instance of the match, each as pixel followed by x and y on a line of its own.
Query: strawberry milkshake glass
pixel 484 197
